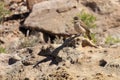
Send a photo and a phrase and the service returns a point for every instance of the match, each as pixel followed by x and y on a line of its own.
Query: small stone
pixel 102 62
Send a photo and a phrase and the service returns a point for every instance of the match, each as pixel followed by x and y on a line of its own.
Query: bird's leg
pixel 84 35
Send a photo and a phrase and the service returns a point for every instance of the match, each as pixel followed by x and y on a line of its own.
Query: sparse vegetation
pixel 58 40
pixel 28 42
pixel 94 40
pixel 2 50
pixel 111 40
pixel 3 11
pixel 88 19
pixel 93 37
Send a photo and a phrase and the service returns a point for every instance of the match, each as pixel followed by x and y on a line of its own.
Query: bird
pixel 81 27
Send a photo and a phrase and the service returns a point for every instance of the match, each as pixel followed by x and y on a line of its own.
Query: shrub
pixel 88 19
pixel 111 40
pixel 2 50
pixel 28 42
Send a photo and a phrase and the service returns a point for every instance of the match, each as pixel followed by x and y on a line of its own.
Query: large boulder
pixel 53 17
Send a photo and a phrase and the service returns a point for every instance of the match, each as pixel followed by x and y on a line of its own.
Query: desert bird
pixel 81 27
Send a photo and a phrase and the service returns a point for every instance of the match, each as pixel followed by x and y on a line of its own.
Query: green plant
pixel 2 50
pixel 3 11
pixel 94 40
pixel 93 37
pixel 88 19
pixel 111 40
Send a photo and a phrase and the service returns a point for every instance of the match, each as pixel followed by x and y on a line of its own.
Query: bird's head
pixel 76 19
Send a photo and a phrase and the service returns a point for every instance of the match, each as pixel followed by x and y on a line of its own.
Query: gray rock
pixel 53 17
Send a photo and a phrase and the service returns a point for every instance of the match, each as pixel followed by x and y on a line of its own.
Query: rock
pixel 83 42
pixel 4 58
pixel 51 18
pixel 16 57
pixel 102 7
pixel 22 9
pixel 102 63
pixel 18 8
pixel 70 54
pixel 15 0
pixel 61 74
pixel 13 6
pixel 9 1
pixel 31 3
pixel 114 32
pixel 113 66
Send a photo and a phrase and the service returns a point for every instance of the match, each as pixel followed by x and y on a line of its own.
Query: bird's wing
pixel 84 26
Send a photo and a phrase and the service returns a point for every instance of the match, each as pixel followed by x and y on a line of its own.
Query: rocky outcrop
pixel 44 55
pixel 53 17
